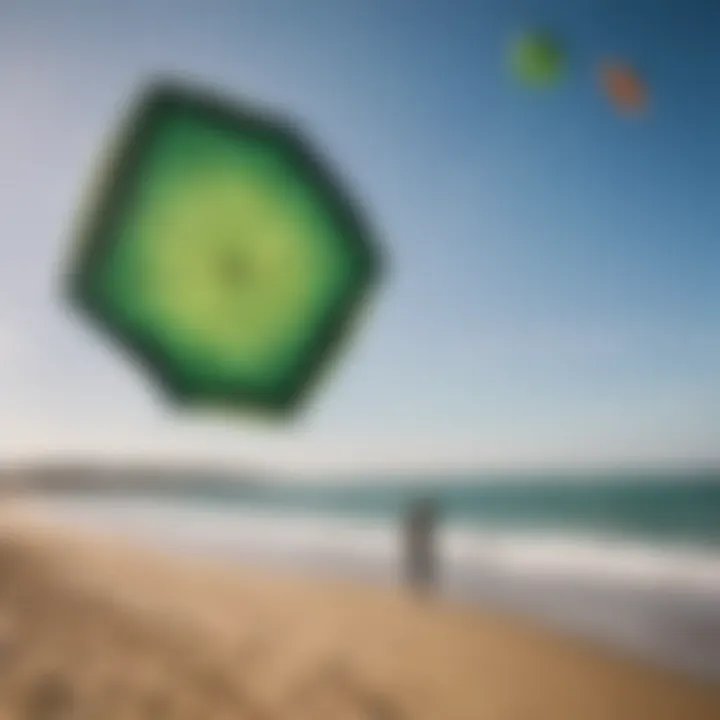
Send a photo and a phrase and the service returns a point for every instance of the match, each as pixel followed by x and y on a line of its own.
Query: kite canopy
pixel 624 88
pixel 221 253
pixel 538 59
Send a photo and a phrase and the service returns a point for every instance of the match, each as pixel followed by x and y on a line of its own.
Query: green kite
pixel 221 253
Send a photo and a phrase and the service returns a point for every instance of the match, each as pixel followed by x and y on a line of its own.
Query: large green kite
pixel 221 253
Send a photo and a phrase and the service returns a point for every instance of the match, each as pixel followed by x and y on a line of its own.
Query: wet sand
pixel 92 628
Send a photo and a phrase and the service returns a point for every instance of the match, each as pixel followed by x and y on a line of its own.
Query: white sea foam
pixel 588 558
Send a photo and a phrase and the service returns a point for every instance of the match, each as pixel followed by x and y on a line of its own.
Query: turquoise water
pixel 661 506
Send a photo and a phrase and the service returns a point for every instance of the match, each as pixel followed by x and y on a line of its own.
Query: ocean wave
pixel 582 557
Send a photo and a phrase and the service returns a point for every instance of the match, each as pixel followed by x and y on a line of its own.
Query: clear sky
pixel 555 284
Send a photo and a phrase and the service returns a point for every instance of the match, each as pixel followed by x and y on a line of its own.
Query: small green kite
pixel 538 59
pixel 221 254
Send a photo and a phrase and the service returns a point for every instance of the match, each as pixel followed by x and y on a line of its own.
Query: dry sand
pixel 93 630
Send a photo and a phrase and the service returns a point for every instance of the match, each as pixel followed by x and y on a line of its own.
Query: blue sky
pixel 555 269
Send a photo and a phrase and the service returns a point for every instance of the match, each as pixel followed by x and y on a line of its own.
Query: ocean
pixel 631 560
pixel 656 507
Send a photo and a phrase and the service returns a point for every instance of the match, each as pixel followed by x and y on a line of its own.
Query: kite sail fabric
pixel 624 88
pixel 538 59
pixel 221 254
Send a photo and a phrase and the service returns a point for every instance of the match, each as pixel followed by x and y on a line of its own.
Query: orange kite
pixel 624 88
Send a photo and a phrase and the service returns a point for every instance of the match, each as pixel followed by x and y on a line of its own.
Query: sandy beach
pixel 94 628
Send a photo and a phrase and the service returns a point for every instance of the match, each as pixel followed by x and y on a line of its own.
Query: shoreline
pixel 649 604
pixel 297 645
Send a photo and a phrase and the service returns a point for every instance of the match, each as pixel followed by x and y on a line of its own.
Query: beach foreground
pixel 90 628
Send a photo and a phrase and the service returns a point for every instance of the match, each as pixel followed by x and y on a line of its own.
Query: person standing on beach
pixel 419 545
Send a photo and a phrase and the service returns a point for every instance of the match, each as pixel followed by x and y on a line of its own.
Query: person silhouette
pixel 419 545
